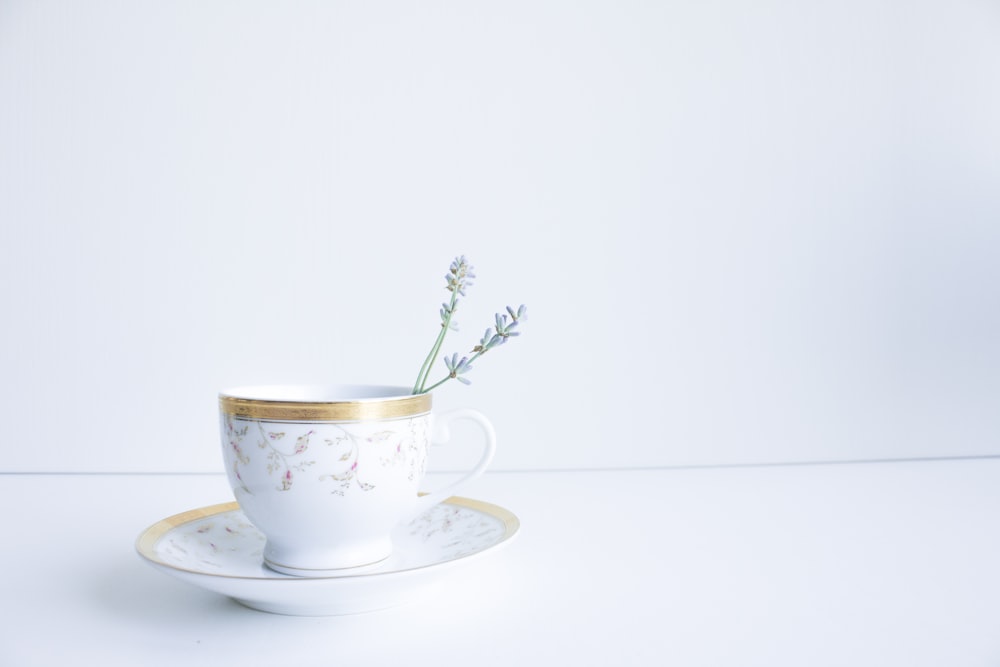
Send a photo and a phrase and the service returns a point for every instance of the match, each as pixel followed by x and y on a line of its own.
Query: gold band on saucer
pixel 395 408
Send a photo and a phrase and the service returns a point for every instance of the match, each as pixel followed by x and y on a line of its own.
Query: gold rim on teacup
pixel 317 404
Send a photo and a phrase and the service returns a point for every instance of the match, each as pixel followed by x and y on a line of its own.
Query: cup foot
pixel 328 572
pixel 326 562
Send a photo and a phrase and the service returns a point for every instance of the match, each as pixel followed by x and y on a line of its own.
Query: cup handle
pixel 427 501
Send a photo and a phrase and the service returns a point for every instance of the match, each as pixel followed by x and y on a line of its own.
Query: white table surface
pixel 852 564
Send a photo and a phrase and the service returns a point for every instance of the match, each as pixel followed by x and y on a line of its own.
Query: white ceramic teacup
pixel 326 472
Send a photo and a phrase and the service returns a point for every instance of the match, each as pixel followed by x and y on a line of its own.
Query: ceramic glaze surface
pixel 345 486
pixel 327 493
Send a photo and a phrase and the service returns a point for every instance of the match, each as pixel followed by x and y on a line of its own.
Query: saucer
pixel 218 549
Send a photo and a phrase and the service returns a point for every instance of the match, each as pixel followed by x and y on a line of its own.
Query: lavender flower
pixel 447 310
pixel 504 329
pixel 458 278
pixel 489 340
pixel 459 275
pixel 456 367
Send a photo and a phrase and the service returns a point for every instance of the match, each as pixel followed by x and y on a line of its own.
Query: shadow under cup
pixel 326 473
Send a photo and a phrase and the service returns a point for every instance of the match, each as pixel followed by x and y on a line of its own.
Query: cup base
pixel 330 572
pixel 326 562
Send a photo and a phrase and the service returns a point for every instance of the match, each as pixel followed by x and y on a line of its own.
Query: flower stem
pixel 418 386
pixel 438 384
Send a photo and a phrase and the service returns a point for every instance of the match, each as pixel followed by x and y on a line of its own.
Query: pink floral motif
pixel 235 437
pixel 350 475
pixel 405 449
pixel 279 461
pixel 347 460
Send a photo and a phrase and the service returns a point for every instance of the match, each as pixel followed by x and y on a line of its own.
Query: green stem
pixel 438 384
pixel 418 387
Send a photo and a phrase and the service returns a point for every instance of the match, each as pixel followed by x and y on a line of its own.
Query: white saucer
pixel 218 549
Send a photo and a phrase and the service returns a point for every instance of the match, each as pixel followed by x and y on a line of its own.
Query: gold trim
pixel 394 408
pixel 510 521
pixel 145 544
pixel 147 541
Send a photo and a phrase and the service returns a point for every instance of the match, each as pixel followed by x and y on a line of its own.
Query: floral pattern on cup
pixel 282 461
pixel 402 445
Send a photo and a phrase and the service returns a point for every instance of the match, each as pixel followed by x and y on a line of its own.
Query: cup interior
pixel 337 393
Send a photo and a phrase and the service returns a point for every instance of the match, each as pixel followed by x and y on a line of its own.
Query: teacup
pixel 326 472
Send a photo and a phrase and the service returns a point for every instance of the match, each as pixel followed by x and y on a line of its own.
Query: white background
pixel 746 232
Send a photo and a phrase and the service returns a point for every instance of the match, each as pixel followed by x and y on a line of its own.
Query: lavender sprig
pixel 459 277
pixel 505 328
pixel 494 337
